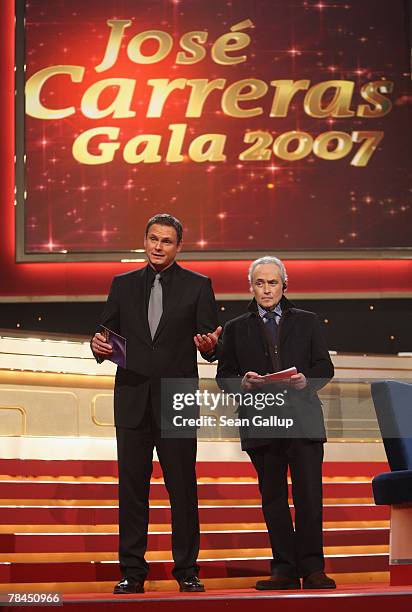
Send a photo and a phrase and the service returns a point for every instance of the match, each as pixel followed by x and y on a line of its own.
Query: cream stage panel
pixel 57 402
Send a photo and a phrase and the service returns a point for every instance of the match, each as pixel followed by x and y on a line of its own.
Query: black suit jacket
pixel 190 308
pixel 301 344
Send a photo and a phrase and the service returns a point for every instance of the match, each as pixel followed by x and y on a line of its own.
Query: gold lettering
pixel 162 88
pixel 34 85
pixel 232 41
pixel 371 140
pixel 372 92
pixel 148 155
pixel 201 88
pixel 339 106
pixel 285 91
pixel 213 153
pixel 119 108
pixel 107 150
pixel 259 150
pixel 197 51
pixel 281 145
pixel 255 89
pixel 343 146
pixel 134 47
pixel 113 46
pixel 174 151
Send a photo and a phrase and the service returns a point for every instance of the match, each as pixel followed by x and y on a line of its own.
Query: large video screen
pixel 263 125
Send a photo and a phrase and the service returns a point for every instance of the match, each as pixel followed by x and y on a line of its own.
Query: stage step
pixel 171 585
pixel 58 525
pixel 166 555
pixel 162 503
pixel 212 567
pixel 161 514
pixel 209 540
pixel 165 527
pixel 49 489
pixel 204 469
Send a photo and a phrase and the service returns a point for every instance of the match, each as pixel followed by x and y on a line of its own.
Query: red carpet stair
pixel 58 526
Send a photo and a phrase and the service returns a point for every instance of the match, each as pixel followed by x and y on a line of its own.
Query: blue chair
pixel 393 406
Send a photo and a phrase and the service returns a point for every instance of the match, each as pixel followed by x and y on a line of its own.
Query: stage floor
pixel 348 597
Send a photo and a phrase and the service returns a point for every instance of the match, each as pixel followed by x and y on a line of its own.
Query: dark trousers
pixel 296 551
pixel 177 458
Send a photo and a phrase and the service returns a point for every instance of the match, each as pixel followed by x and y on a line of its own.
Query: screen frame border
pixel 136 255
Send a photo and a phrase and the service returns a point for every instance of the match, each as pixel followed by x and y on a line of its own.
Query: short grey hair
pixel 267 259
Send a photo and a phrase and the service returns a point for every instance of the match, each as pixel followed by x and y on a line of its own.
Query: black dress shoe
pixel 278 582
pixel 191 584
pixel 128 585
pixel 318 580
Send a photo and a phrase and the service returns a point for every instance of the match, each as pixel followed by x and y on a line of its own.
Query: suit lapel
pixel 139 300
pixel 256 337
pixel 285 327
pixel 176 289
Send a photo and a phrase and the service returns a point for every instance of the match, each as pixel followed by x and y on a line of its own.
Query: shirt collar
pixel 262 311
pixel 164 274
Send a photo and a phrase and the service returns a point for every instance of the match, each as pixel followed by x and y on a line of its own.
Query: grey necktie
pixel 155 309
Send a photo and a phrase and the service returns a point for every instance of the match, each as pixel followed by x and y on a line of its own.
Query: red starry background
pixel 311 204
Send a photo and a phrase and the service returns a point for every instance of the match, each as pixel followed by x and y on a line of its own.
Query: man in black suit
pixel 272 336
pixel 165 312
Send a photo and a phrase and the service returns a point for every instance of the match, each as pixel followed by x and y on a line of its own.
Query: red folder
pixel 281 375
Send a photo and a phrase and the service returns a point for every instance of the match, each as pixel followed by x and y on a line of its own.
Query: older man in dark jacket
pixel 274 335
